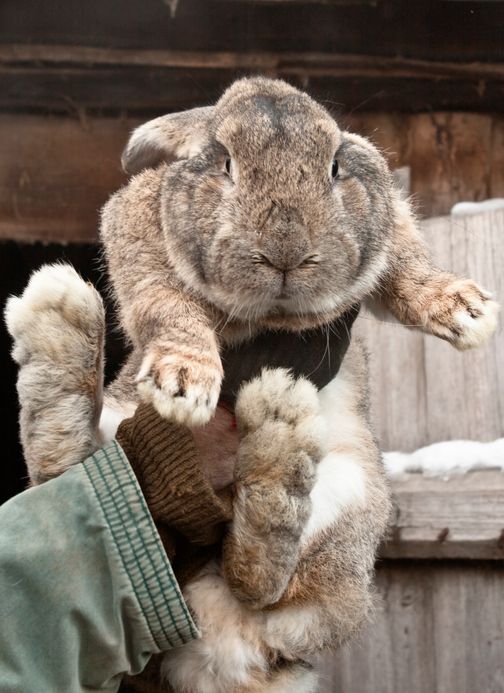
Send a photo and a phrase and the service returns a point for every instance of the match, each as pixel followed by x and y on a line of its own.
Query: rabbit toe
pixel 276 396
pixel 464 315
pixel 476 323
pixel 181 393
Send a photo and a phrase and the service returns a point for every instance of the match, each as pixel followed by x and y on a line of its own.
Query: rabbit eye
pixel 334 169
pixel 229 169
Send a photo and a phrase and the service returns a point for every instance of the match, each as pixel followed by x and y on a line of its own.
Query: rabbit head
pixel 268 207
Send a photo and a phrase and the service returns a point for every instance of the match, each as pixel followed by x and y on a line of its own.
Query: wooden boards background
pixel 438 630
pixel 423 390
pixel 76 76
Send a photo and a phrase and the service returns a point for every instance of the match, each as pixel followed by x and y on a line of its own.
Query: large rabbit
pixel 257 213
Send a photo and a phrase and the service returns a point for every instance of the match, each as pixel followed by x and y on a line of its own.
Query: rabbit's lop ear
pixel 170 137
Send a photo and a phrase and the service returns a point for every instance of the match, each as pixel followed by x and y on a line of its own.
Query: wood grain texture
pixel 439 628
pixel 414 29
pixel 496 158
pixel 55 175
pixel 146 92
pixel 360 54
pixel 331 63
pixel 452 156
pixel 424 391
pixel 38 77
pixel 458 517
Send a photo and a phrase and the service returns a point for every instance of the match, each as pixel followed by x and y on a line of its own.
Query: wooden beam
pixel 306 63
pixel 414 29
pixel 148 91
pixel 461 517
pixel 61 78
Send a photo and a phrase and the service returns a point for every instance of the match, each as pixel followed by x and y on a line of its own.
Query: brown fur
pixel 247 229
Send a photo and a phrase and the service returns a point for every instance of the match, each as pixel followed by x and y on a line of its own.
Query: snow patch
pixel 462 208
pixel 446 458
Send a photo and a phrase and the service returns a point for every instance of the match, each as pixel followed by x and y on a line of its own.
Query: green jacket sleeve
pixel 86 590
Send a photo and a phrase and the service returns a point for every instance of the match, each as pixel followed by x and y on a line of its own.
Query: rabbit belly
pixel 232 656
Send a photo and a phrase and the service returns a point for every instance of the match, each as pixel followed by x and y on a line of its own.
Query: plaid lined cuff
pixel 139 545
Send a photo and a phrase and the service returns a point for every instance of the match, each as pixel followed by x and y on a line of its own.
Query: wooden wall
pixel 437 630
pixel 423 390
pixel 438 626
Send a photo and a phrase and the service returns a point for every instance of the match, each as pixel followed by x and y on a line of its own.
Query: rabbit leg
pixel 330 594
pixel 275 471
pixel 419 294
pixel 58 330
pixel 180 371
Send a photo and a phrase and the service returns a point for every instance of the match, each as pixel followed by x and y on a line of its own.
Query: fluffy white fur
pixel 109 422
pixel 341 482
pixel 476 331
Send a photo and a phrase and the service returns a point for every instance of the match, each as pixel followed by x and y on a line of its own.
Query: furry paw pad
pixel 276 395
pixel 56 301
pixel 181 389
pixel 58 329
pixel 286 407
pixel 464 315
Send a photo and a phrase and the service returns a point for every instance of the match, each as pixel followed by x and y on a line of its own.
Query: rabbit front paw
pixel 463 314
pixel 182 387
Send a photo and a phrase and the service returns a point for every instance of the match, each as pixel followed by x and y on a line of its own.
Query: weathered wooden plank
pixel 304 63
pixel 450 154
pixel 496 159
pixel 459 517
pixel 56 174
pixel 439 628
pixel 150 91
pixel 468 400
pixel 110 90
pixel 57 78
pixel 421 30
pixel 424 391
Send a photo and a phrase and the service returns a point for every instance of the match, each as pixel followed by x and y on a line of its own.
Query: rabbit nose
pixel 284 242
pixel 283 264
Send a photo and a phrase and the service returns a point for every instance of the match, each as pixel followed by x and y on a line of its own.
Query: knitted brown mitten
pixel 164 458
